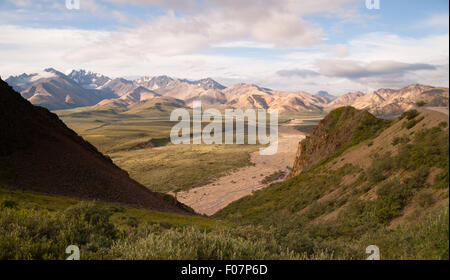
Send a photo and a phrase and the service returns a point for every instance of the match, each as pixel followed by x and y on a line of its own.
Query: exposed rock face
pixel 88 79
pixel 339 129
pixel 38 152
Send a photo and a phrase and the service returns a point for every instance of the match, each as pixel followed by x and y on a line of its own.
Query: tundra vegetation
pixel 398 201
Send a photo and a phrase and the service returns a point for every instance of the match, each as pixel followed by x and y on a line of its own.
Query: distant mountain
pixel 118 86
pixel 38 152
pixel 21 82
pixel 207 83
pixel 154 83
pixel 158 106
pixel 345 99
pixel 389 102
pixel 326 94
pixel 253 96
pixel 88 79
pixel 134 96
pixel 189 91
pixel 54 90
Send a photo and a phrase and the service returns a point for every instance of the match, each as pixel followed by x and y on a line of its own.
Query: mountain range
pixel 55 90
pixel 388 102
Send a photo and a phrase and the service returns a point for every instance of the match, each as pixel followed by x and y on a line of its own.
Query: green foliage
pixel 411 123
pixel 426 240
pixel 369 128
pixel 296 207
pixel 442 178
pixel 443 124
pixel 151 243
pixel 411 114
pixel 9 204
pixel 39 234
pixel 380 168
pixel 400 140
pixel 393 196
pixel 421 103
pixel 429 148
pixel 425 199
pixel 277 175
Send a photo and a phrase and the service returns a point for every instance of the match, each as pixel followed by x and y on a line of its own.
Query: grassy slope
pixel 122 215
pixel 34 226
pixel 361 196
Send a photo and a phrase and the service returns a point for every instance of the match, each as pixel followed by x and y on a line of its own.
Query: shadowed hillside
pixel 38 152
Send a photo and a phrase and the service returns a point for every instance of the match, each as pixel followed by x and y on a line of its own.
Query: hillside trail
pixel 210 198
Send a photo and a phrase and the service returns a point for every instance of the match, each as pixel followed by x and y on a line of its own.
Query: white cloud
pixel 173 44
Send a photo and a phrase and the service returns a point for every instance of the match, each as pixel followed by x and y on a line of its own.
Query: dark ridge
pixel 39 153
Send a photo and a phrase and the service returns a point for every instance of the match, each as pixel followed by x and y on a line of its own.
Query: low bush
pixel 400 140
pixel 410 114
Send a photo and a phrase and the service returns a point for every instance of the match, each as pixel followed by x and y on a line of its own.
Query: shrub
pixel 277 175
pixel 380 168
pixel 425 199
pixel 443 124
pixel 411 123
pixel 427 239
pixel 411 114
pixel 421 103
pixel 392 197
pixel 191 243
pixel 400 140
pixel 9 204
pixel 89 224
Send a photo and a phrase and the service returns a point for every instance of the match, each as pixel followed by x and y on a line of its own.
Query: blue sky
pixel 308 45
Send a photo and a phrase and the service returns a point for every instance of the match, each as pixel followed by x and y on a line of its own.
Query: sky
pixel 337 46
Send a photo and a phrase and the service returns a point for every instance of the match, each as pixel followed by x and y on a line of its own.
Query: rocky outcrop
pixel 341 128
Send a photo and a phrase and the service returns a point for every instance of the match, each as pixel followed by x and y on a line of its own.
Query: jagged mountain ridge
pixel 54 90
pixel 88 79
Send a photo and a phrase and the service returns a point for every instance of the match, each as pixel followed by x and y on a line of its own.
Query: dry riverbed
pixel 210 198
